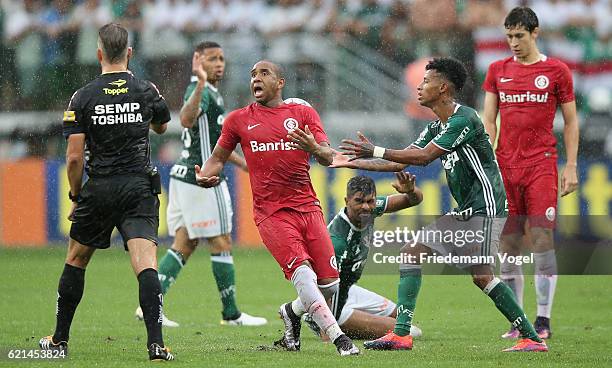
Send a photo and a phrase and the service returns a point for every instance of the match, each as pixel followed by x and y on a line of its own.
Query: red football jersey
pixel 278 173
pixel 528 96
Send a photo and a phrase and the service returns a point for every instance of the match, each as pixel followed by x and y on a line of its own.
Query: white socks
pixel 305 281
pixel 545 281
pixel 512 275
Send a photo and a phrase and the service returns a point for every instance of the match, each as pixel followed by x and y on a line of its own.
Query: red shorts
pixel 532 195
pixel 294 237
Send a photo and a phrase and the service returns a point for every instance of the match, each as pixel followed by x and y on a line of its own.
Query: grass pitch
pixel 460 324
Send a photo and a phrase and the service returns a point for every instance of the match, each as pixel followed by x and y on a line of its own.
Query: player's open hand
pixel 569 180
pixel 341 160
pixel 404 182
pixel 303 139
pixel 362 149
pixel 205 181
pixel 197 67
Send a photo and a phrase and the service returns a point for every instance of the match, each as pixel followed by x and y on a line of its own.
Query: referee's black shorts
pixel 123 201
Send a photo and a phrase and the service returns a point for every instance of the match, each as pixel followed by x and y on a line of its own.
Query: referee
pixel 107 127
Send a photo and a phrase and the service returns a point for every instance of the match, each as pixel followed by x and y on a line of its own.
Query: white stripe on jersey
pixel 202 140
pixel 487 189
pixel 487 181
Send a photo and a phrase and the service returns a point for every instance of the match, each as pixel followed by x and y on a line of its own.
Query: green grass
pixel 461 326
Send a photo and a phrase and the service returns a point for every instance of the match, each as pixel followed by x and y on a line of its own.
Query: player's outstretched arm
pixel 405 183
pixel 208 175
pixel 305 140
pixel 364 149
pixel 569 177
pixel 238 160
pixel 374 164
pixel 489 116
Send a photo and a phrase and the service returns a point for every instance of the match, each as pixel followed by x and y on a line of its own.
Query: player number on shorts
pixel 178 171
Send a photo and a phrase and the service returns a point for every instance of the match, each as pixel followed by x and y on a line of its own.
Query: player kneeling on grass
pixel 458 138
pixel 361 313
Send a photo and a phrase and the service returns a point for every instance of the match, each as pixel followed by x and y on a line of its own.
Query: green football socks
pixel 504 300
pixel 407 291
pixel 169 268
pixel 223 270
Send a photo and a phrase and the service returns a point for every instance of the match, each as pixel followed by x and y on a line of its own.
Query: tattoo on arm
pixel 379 164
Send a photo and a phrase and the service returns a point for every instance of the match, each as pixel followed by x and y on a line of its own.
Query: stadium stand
pixel 347 56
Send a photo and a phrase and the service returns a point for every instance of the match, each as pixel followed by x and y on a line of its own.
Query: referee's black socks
pixel 151 301
pixel 69 293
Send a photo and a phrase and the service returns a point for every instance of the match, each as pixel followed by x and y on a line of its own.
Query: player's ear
pixel 535 33
pixel 444 87
pixel 345 201
pixel 129 53
pixel 281 83
pixel 100 54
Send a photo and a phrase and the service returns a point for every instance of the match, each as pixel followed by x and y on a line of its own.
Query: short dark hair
pixel 113 40
pixel 522 16
pixel 276 68
pixel 451 69
pixel 279 70
pixel 361 183
pixel 206 45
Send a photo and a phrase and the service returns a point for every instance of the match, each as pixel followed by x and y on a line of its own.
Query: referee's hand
pixel 71 214
pixel 205 181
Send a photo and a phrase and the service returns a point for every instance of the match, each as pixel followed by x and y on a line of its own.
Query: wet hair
pixel 113 40
pixel 206 45
pixel 361 183
pixel 451 69
pixel 522 16
pixel 276 68
pixel 279 70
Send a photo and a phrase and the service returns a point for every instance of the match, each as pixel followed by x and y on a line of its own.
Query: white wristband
pixel 379 152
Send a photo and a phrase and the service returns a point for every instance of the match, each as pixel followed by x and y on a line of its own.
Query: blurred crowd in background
pixel 48 46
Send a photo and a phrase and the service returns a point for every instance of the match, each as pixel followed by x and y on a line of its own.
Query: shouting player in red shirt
pixel 278 139
pixel 526 90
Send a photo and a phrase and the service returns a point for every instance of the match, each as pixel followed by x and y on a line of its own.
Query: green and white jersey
pixel 200 140
pixel 472 172
pixel 351 245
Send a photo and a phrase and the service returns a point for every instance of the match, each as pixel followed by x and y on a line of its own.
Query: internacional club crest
pixel 333 263
pixel 541 81
pixel 290 124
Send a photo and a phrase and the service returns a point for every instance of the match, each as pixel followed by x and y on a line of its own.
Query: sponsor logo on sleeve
pixel 69 116
pixel 461 137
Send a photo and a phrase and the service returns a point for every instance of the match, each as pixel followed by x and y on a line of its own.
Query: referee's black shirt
pixel 114 111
